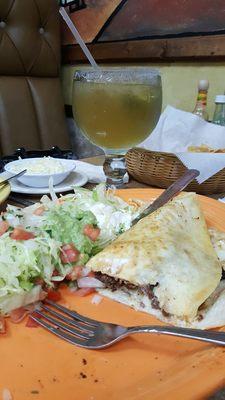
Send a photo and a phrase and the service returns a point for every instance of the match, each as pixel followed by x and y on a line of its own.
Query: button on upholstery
pixel 41 31
pixel 2 24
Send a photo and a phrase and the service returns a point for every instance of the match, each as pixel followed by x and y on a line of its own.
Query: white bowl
pixel 41 179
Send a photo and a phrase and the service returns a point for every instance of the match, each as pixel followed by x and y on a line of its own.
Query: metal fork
pixel 88 333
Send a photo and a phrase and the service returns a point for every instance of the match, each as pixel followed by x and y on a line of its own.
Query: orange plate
pixel 37 365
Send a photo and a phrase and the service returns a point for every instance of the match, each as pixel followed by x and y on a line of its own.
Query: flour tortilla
pixel 170 250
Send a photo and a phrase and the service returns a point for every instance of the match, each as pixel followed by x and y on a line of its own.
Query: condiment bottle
pixel 201 103
pixel 219 114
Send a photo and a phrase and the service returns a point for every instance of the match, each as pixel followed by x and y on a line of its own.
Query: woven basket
pixel 161 169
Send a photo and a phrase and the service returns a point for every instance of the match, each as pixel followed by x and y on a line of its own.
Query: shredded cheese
pixel 44 166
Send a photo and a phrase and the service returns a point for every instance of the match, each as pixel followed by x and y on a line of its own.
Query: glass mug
pixel 116 109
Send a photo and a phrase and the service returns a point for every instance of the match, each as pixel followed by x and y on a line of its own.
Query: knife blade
pixel 168 194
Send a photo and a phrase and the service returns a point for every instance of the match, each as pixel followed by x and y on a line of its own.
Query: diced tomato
pixel 75 273
pixel 60 201
pixel 21 234
pixel 91 232
pixel 39 211
pixel 69 254
pixel 4 226
pixel 31 323
pixel 2 325
pixel 43 295
pixel 39 281
pixel 55 272
pixel 91 274
pixel 63 285
pixel 53 295
pixel 18 315
pixel 84 292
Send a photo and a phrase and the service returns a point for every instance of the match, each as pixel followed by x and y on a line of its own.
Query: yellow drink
pixel 116 115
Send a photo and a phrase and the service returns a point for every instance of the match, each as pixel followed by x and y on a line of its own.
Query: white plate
pixel 74 179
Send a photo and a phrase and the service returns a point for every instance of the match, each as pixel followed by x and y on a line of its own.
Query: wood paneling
pixel 203 47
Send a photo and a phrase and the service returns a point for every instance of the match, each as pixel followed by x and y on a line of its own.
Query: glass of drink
pixel 117 109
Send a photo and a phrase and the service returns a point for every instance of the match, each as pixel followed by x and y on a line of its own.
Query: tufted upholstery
pixel 31 106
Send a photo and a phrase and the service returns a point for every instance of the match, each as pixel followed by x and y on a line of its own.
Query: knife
pixel 168 194
pixel 5 182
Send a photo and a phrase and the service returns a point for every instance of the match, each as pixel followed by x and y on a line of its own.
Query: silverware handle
pixel 215 337
pixel 6 181
pixel 17 175
pixel 176 187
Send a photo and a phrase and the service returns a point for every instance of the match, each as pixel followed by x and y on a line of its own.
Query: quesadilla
pixel 165 265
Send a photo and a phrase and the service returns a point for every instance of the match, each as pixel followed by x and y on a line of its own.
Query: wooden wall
pixel 120 30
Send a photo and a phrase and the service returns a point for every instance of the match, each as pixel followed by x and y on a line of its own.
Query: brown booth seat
pixel 31 104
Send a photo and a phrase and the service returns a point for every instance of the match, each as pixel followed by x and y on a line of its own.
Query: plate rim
pixel 27 190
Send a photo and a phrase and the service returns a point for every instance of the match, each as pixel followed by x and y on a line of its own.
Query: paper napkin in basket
pixel 177 130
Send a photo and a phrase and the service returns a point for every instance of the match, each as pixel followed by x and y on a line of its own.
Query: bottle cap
pixel 220 98
pixel 203 84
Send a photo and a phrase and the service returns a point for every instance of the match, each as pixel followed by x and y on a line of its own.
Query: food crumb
pixel 40 383
pixel 34 391
pixel 84 361
pixel 82 375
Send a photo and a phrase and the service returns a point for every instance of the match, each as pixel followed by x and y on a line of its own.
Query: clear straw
pixel 77 36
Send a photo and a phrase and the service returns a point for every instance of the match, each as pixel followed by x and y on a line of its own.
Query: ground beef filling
pixel 113 284
pixel 223 274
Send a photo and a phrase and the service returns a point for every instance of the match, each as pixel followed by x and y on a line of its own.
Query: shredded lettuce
pixel 62 222
pixel 99 207
pixel 21 262
pixel 65 223
pixel 113 215
pixel 12 301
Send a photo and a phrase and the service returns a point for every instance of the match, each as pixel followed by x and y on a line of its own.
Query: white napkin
pixel 94 173
pixel 177 130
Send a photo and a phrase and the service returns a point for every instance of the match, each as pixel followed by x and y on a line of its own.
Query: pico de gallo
pixel 50 242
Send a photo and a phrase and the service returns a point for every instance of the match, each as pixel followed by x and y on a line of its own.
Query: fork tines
pixel 65 323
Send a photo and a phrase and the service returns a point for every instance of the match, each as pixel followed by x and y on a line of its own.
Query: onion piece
pixel 96 299
pixel 31 323
pixel 89 282
pixel 73 289
pixel 33 306
pixel 6 394
pixel 84 292
pixel 85 271
pixel 2 325
pixel 18 315
pixel 43 295
pixel 51 189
